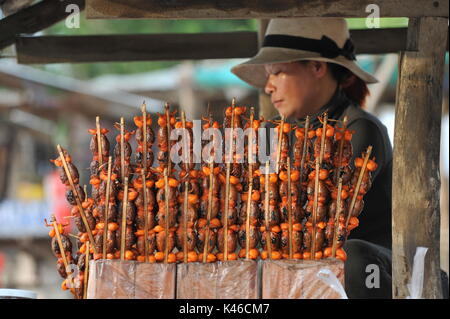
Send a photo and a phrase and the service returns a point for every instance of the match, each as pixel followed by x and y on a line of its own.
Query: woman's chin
pixel 282 112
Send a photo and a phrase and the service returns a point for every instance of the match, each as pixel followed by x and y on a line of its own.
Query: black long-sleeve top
pixel 375 219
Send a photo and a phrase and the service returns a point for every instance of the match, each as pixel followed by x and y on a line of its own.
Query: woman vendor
pixel 307 66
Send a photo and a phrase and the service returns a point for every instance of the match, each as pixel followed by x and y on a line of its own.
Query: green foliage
pixel 360 23
pixel 90 70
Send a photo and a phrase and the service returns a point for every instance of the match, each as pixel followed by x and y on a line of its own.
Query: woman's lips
pixel 277 104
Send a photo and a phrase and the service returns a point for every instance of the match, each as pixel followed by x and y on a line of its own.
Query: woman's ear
pixel 319 68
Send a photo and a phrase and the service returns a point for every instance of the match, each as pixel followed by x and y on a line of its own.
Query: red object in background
pixel 2 266
pixel 57 199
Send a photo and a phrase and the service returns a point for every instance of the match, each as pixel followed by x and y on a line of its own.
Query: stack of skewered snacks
pixel 167 194
pixel 346 218
pixel 302 156
pixel 270 229
pixel 166 123
pixel 99 147
pixel 291 213
pixel 230 185
pixel 189 195
pixel 337 210
pixel 271 217
pixel 62 249
pixel 76 197
pixel 210 198
pixel 318 191
pixel 359 185
pixel 249 235
pixel 126 195
pixel 144 185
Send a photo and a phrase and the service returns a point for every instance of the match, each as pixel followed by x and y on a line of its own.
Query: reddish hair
pixel 355 88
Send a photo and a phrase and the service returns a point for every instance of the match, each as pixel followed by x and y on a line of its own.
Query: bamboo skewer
pixel 186 186
pixel 289 201
pixel 185 206
pixel 168 136
pixel 144 193
pixel 227 184
pixel 316 197
pixel 166 228
pixel 250 185
pixel 72 235
pixel 144 182
pixel 61 247
pixel 336 218
pixel 122 150
pixel 266 211
pixel 124 219
pixel 144 126
pixel 322 140
pixel 316 184
pixel 358 185
pixel 208 216
pixel 77 196
pixel 86 271
pixel 247 222
pixel 108 192
pixel 280 135
pixel 304 151
pixel 99 140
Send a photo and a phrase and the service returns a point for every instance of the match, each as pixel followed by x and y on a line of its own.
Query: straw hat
pixel 289 40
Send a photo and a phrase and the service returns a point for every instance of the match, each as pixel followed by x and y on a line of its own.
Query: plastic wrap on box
pixel 155 281
pixel 222 280
pixel 292 279
pixel 116 279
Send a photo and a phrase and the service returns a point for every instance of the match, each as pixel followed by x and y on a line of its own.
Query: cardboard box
pixel 292 279
pixel 116 279
pixel 221 280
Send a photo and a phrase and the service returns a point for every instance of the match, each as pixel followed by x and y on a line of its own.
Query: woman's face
pixel 293 87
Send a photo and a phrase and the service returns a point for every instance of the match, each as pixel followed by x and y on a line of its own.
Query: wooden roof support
pixel 34 18
pixel 416 180
pixel 153 47
pixel 135 47
pixel 239 9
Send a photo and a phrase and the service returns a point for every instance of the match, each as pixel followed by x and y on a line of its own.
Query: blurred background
pixel 45 105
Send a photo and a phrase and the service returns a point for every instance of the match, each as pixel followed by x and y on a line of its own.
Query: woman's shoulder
pixel 369 130
pixel 357 115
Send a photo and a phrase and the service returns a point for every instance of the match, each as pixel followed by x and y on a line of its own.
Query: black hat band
pixel 325 46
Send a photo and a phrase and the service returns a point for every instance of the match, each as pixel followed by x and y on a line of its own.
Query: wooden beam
pixel 152 47
pixel 34 18
pixel 416 181
pixel 250 9
pixel 136 47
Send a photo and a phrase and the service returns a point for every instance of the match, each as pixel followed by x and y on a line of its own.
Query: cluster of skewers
pixel 303 209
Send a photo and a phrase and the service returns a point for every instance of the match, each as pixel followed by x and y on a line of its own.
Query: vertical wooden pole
pixel 416 181
pixel 266 108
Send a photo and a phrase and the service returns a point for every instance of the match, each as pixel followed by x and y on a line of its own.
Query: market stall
pixel 418 115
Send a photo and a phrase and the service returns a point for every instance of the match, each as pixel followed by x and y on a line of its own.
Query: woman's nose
pixel 269 88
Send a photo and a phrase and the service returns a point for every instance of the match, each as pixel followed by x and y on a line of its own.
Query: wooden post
pixel 416 181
